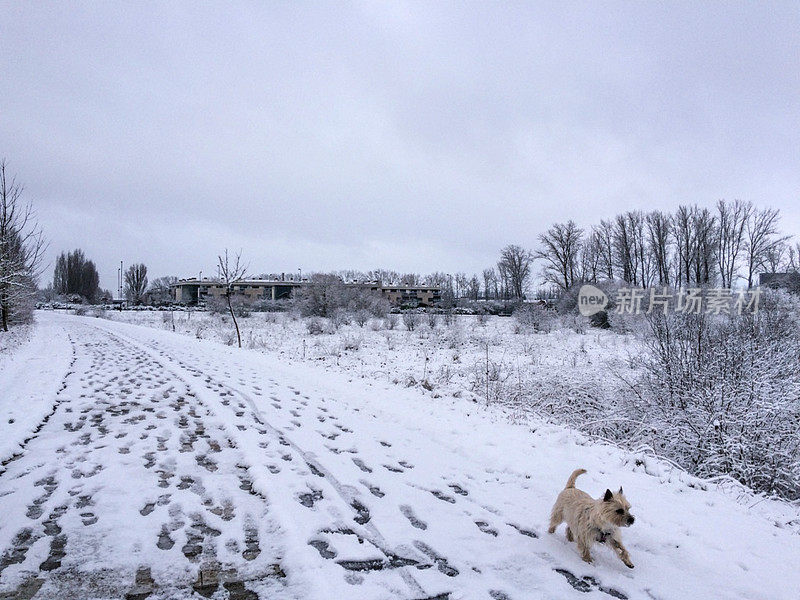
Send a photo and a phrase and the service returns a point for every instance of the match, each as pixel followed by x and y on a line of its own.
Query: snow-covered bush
pixel 351 342
pixel 432 319
pixel 535 317
pixel 314 326
pixel 720 395
pixel 361 316
pixel 411 320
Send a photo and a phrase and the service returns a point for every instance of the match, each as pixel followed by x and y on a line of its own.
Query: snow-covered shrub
pixel 361 316
pixel 411 320
pixel 432 319
pixel 219 306
pixel 494 381
pixel 575 322
pixel 538 318
pixel 228 337
pixel 720 395
pixel 448 317
pixel 351 342
pixel 314 326
pixel 391 321
pixel 339 318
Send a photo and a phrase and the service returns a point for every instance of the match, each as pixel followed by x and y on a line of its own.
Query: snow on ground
pixel 174 467
pixel 31 366
pixel 446 360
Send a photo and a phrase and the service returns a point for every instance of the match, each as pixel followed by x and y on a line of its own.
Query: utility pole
pixel 121 276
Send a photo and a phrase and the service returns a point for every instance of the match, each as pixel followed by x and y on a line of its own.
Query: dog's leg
pixel 569 535
pixel 584 548
pixel 556 517
pixel 621 551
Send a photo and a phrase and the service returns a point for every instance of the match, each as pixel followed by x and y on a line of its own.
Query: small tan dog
pixel 589 520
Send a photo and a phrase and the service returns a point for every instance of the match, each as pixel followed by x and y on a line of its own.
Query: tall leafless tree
pixel 604 234
pixel 489 283
pixel 231 272
pixel 793 260
pixel 22 246
pixel 160 290
pixel 624 248
pixel 515 266
pixel 685 242
pixel 761 236
pixel 777 257
pixel 695 233
pixel 136 283
pixel 705 226
pixel 732 219
pixel 658 242
pixel 591 261
pixel 560 251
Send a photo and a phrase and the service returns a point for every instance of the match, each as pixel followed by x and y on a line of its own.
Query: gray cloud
pixel 413 136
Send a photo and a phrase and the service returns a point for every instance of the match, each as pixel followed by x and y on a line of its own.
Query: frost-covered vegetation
pixel 716 395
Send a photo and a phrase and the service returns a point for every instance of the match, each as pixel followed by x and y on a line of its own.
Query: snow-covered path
pixel 172 468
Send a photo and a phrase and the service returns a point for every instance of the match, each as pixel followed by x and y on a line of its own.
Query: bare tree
pixel 515 264
pixel 231 271
pixel 604 235
pixel 696 239
pixel 624 249
pixel 776 258
pixel 731 222
pixel 761 237
pixel 561 245
pixel 160 291
pixel 474 288
pixel 21 248
pixel 793 262
pixel 658 241
pixel 590 258
pixel 489 283
pixel 136 283
pixel 705 225
pixel 683 232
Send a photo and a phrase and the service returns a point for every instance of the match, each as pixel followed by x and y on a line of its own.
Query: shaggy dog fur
pixel 589 520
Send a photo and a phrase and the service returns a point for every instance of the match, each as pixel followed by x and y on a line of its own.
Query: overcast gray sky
pixel 409 136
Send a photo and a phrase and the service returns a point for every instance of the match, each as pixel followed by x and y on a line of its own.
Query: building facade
pixel 198 291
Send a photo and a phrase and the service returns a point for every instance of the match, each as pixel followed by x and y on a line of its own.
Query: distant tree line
pixel 691 246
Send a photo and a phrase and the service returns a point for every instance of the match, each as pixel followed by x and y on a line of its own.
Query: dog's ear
pixel 608 496
pixel 620 490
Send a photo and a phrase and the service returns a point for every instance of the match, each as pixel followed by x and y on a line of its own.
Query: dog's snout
pixel 631 520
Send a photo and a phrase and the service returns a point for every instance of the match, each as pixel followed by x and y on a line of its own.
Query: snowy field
pixel 440 359
pixel 142 463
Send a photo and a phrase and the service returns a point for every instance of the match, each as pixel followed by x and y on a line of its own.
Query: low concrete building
pixel 194 291
pixel 421 295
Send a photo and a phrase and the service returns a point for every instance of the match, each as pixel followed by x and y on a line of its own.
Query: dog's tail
pixel 573 477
